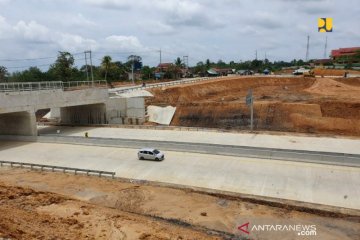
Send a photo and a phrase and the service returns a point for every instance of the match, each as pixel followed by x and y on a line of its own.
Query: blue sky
pixel 200 29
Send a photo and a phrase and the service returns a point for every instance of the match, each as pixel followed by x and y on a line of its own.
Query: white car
pixel 150 154
pixel 300 71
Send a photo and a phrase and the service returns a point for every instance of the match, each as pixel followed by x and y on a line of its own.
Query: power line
pixel 42 65
pixel 38 65
pixel 32 59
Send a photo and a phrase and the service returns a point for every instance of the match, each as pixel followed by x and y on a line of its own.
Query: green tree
pixel 178 62
pixel 3 74
pixel 256 64
pixel 134 60
pixel 121 70
pixel 221 64
pixel 146 72
pixel 106 62
pixel 62 69
pixel 33 74
pixel 208 63
pixel 200 68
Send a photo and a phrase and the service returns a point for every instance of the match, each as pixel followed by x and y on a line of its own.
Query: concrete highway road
pixel 308 143
pixel 315 183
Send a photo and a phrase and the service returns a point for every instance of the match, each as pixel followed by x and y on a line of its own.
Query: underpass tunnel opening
pixel 84 114
pixel 18 123
pixel 42 115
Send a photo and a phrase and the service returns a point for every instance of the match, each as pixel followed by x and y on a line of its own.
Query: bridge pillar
pixel 18 123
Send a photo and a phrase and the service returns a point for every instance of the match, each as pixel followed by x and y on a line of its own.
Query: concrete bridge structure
pixel 71 102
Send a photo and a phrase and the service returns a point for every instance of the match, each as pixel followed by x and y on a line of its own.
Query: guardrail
pixel 171 83
pixel 340 159
pixel 43 167
pixel 50 85
pixel 30 86
pixel 72 85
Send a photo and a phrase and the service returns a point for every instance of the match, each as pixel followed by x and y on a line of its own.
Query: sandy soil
pixel 296 104
pixel 333 72
pixel 40 205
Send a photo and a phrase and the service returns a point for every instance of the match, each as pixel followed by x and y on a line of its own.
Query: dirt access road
pixel 45 205
pixel 289 104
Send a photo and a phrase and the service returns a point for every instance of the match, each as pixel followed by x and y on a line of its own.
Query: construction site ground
pixel 52 205
pixel 328 105
pixel 298 181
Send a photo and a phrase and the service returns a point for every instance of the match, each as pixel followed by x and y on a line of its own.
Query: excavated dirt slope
pixel 49 205
pixel 298 104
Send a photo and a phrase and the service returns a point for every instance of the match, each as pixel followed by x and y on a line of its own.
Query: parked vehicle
pixel 245 72
pixel 300 71
pixel 150 154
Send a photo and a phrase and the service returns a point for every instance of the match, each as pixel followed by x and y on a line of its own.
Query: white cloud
pixel 81 21
pixel 229 29
pixel 174 12
pixel 123 43
pixel 5 28
pixel 266 20
pixel 71 42
pixel 118 4
pixel 156 27
pixel 33 31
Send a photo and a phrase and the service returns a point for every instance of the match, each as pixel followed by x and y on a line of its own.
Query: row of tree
pixel 64 69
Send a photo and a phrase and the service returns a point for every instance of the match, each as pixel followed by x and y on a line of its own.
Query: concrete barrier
pixel 341 159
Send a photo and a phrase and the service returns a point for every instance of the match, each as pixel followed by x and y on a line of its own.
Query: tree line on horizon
pixel 64 69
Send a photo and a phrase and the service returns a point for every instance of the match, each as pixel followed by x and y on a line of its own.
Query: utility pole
pixel 250 102
pixel 186 61
pixel 86 65
pixel 91 66
pixel 132 71
pixel 255 54
pixel 160 56
pixel 325 50
pixel 132 68
pixel 307 48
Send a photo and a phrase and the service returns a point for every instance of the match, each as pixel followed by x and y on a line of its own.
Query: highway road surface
pixel 297 142
pixel 314 183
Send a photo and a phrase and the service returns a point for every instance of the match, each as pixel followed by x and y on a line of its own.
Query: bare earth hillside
pixel 295 104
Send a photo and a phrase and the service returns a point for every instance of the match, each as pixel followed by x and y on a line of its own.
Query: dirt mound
pixel 29 214
pixel 350 81
pixel 233 89
pixel 330 87
pixel 333 72
pixel 221 104
pixel 156 212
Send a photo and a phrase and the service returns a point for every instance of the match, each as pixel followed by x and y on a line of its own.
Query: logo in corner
pixel 244 228
pixel 325 25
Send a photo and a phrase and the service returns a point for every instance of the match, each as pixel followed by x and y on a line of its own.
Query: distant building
pixel 321 63
pixel 168 71
pixel 345 55
pixel 164 67
pixel 212 72
pixel 223 71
